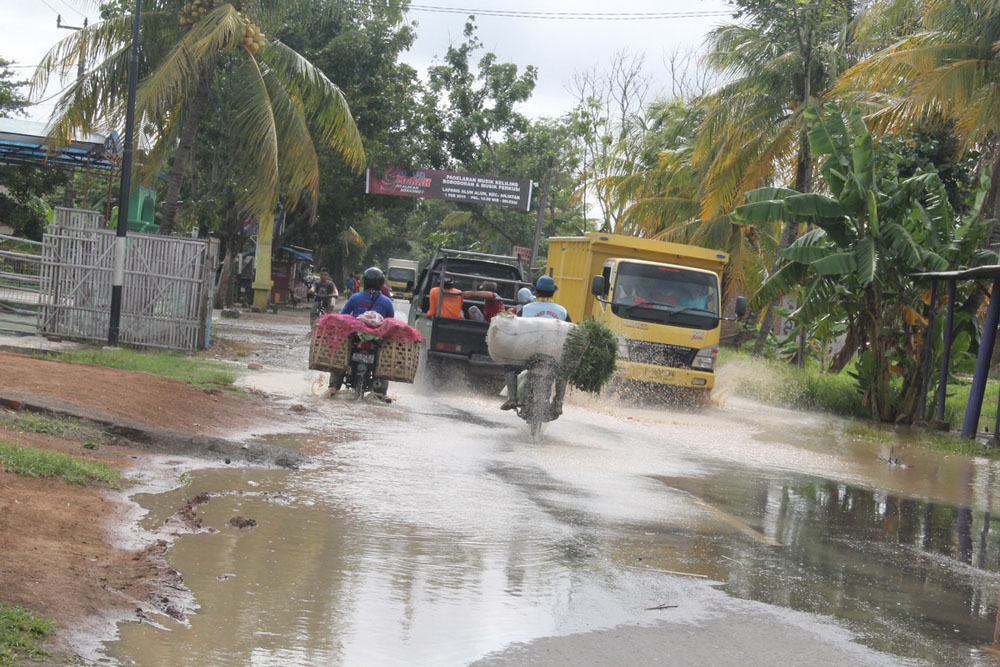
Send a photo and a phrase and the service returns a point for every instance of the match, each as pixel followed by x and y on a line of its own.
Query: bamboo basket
pixel 322 358
pixel 397 361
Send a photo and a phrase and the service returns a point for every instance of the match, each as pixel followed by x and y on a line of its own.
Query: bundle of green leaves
pixel 589 356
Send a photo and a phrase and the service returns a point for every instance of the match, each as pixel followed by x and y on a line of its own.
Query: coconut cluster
pixel 253 39
pixel 194 10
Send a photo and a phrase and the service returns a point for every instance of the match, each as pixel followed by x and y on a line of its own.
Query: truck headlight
pixel 705 358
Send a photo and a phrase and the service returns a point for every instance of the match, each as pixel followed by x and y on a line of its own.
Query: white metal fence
pixel 20 266
pixel 166 296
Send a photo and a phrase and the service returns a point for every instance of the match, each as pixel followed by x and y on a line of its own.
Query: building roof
pixel 989 271
pixel 26 142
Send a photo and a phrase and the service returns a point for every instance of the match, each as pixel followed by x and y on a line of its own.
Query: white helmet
pixel 524 295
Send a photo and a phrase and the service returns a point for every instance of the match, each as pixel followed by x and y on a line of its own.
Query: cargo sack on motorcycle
pixel 589 356
pixel 513 340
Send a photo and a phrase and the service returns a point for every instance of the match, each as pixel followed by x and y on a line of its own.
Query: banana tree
pixel 868 234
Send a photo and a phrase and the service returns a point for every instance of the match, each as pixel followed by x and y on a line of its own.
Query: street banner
pixel 450 186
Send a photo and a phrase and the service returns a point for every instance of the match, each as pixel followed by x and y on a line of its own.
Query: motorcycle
pixel 322 305
pixel 535 387
pixel 360 374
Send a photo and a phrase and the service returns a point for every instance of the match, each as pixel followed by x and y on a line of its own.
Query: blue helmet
pixel 545 284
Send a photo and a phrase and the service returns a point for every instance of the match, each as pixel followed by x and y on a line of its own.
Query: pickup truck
pixel 462 342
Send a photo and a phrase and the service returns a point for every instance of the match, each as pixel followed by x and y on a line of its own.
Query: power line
pixel 45 2
pixel 563 16
pixel 74 9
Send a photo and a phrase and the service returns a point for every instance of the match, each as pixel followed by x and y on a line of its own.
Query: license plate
pixel 363 358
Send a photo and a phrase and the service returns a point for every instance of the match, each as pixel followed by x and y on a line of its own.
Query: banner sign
pixel 451 186
pixel 523 253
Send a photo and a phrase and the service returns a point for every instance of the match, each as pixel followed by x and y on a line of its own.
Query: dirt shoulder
pixel 74 554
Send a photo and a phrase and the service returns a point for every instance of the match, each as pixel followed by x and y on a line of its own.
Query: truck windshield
pixel 666 295
pixel 398 274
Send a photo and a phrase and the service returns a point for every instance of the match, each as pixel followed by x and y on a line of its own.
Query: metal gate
pixel 20 279
pixel 166 295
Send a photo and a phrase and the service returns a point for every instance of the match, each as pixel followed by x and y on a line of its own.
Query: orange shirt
pixel 451 306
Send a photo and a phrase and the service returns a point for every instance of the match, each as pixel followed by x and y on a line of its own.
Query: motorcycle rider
pixel 542 306
pixel 369 298
pixel 324 294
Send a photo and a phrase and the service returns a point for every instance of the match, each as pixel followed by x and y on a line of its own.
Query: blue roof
pixel 27 142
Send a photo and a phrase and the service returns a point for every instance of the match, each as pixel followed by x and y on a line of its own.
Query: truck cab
pixel 462 341
pixel 401 276
pixel 662 300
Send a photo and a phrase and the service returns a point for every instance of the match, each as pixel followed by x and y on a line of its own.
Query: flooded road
pixel 434 532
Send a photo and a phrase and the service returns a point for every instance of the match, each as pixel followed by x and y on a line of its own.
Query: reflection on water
pixel 430 532
pixel 877 560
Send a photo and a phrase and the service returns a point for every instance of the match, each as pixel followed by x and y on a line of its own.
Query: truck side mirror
pixel 597 286
pixel 741 306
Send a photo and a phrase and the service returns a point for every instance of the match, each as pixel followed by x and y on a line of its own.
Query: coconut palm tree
pixel 287 108
pixel 948 66
pixel 664 199
pixel 783 57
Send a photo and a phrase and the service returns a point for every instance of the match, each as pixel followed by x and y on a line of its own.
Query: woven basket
pixel 398 361
pixel 322 358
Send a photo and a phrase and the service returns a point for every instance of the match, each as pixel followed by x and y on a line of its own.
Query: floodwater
pixel 434 532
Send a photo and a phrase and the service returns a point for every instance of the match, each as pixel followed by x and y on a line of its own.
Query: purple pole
pixel 971 424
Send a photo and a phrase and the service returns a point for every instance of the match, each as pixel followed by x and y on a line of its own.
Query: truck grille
pixel 674 356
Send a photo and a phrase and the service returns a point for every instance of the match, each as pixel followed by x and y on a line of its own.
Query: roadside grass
pixel 31 462
pixel 21 635
pixel 780 384
pixel 174 365
pixel 38 423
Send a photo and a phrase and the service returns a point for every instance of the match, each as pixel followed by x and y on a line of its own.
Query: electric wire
pixel 563 16
pixel 45 2
pixel 74 9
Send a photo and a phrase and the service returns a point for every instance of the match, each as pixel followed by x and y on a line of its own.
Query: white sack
pixel 513 340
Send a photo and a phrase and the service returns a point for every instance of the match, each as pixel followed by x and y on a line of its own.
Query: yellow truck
pixel 662 300
pixel 401 276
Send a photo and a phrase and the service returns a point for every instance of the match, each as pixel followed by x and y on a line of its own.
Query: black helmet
pixel 373 279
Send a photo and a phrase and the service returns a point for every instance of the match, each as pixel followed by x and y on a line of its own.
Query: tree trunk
pixel 991 204
pixel 222 292
pixel 880 389
pixel 803 183
pixel 188 135
pixel 788 236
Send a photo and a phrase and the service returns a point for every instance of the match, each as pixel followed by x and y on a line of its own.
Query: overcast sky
pixel 559 48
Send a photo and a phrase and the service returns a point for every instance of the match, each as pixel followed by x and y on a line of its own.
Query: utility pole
pixel 81 69
pixel 542 204
pixel 118 277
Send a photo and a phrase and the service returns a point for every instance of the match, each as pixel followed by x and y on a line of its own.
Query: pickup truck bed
pixel 462 340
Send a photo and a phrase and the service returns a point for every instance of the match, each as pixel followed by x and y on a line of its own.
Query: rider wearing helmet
pixel 370 297
pixel 542 306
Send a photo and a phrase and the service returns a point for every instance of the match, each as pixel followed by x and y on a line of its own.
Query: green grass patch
pixel 21 636
pixel 780 384
pixel 31 462
pixel 173 365
pixel 38 423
